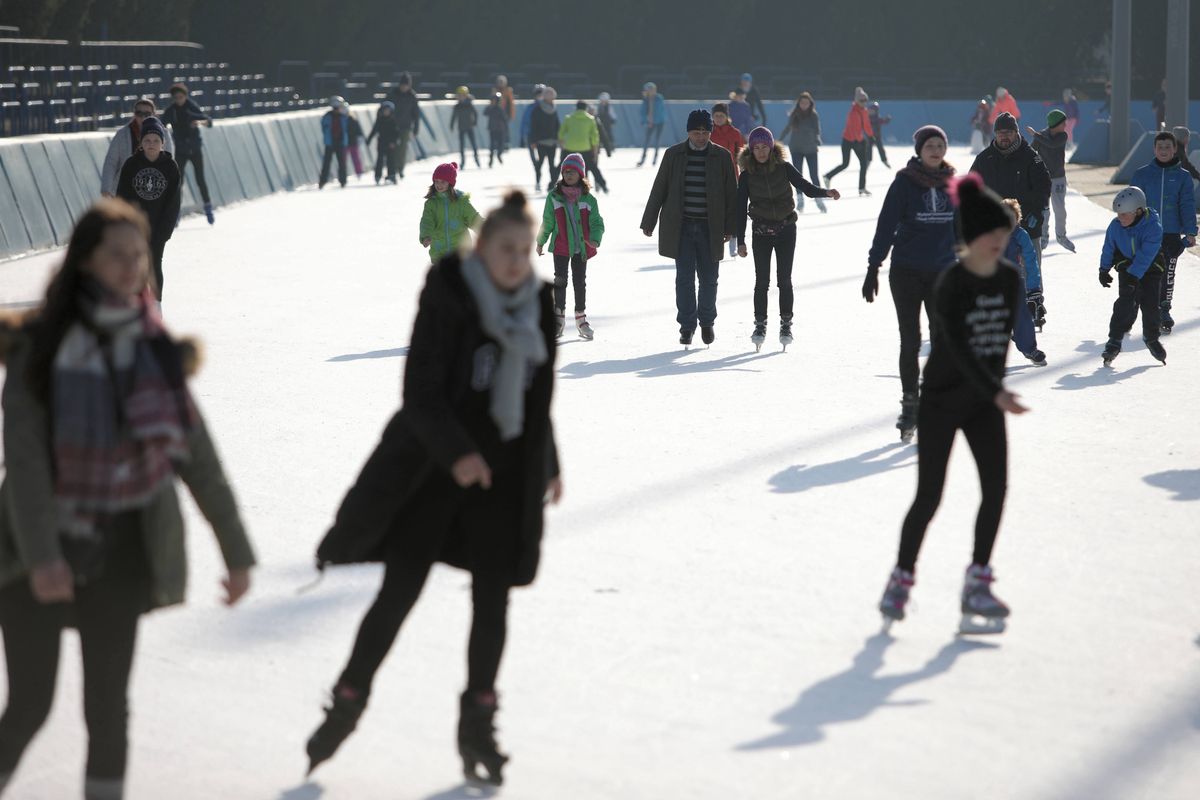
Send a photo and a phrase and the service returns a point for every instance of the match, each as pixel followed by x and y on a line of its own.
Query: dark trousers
pixel 330 151
pixel 106 613
pixel 653 132
pixel 983 425
pixel 911 288
pixel 578 281
pixel 1172 246
pixel 385 154
pixel 784 248
pixel 402 149
pixel 497 145
pixel 877 143
pixel 1135 294
pixel 591 161
pixel 546 153
pixel 463 135
pixel 860 149
pixel 197 158
pixel 156 254
pixel 695 261
pixel 403 580
pixel 814 174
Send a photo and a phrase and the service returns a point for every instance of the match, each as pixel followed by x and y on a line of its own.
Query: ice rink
pixel 704 625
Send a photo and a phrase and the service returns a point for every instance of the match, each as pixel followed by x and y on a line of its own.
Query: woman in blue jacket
pixel 917 225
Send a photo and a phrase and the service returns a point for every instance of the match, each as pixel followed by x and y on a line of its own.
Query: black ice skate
pixel 907 423
pixel 707 334
pixel 685 338
pixel 785 333
pixel 759 336
pixel 1111 351
pixel 341 718
pixel 1036 357
pixel 1157 350
pixel 477 739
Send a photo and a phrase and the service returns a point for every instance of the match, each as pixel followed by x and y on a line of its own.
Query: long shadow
pixel 398 352
pixel 1103 376
pixel 657 268
pixel 305 791
pixel 856 693
pixel 464 791
pixel 1185 483
pixel 801 477
pixel 661 365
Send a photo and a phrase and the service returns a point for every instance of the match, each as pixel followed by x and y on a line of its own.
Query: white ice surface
pixel 704 624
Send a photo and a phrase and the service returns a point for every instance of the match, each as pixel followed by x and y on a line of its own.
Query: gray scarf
pixel 1014 147
pixel 513 320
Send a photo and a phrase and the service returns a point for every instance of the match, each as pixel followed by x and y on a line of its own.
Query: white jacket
pixel 119 150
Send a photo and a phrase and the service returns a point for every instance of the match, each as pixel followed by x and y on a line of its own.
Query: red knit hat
pixel 447 172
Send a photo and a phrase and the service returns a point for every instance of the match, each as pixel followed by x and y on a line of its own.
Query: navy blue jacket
pixel 180 118
pixel 1136 249
pixel 917 225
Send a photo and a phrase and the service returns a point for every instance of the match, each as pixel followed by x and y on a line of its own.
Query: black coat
pixel 405 498
pixel 1021 175
pixel 180 118
pixel 152 186
pixel 408 115
pixel 386 128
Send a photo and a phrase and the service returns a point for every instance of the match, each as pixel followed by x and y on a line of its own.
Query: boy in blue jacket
pixel 1134 245
pixel 1168 189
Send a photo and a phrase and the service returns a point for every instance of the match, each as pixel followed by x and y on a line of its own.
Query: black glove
pixel 1105 278
pixel 870 289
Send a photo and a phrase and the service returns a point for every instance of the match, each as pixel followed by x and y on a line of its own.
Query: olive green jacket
pixel 28 528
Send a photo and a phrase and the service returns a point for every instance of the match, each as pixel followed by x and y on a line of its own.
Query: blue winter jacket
pixel 327 129
pixel 527 123
pixel 917 225
pixel 1022 253
pixel 1169 191
pixel 660 110
pixel 1135 248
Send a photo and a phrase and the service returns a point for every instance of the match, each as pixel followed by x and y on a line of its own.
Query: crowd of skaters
pixel 90 534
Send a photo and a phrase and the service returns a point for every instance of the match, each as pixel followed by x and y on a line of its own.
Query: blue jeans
pixel 695 260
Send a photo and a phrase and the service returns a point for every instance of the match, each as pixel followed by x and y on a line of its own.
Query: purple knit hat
pixel 760 135
pixel 926 132
pixel 575 162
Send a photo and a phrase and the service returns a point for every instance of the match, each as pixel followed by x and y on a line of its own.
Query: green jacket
pixel 446 221
pixel 579 133
pixel 584 222
pixel 28 526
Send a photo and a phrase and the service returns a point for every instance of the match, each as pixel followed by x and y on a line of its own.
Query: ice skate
pixel 785 333
pixel 208 213
pixel 477 739
pixel 1036 357
pixel 907 422
pixel 1111 351
pixel 982 611
pixel 828 181
pixel 560 321
pixel 584 329
pixel 707 334
pixel 685 339
pixel 341 718
pixel 1157 350
pixel 1066 244
pixel 864 193
pixel 895 596
pixel 821 205
pixel 1165 321
pixel 759 336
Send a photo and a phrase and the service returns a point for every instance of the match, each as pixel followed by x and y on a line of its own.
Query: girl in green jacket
pixel 448 214
pixel 572 221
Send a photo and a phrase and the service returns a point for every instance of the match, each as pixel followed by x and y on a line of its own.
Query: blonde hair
pixel 1015 205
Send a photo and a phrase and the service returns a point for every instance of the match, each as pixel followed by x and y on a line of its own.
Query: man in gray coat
pixel 693 202
pixel 125 143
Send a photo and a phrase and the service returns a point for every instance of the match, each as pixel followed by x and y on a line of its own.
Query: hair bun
pixel 515 199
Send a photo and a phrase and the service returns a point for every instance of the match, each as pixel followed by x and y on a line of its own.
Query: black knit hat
pixel 700 120
pixel 980 210
pixel 925 133
pixel 152 125
pixel 1005 122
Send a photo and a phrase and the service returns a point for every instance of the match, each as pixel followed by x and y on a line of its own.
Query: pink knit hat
pixel 575 162
pixel 447 172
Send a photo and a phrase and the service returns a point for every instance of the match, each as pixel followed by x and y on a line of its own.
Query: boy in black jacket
pixel 150 180
pixel 388 131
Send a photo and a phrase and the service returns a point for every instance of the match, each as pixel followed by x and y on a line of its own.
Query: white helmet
pixel 336 101
pixel 1129 200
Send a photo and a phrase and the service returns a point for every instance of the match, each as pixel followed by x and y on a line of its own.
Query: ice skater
pixel 1024 256
pixel 150 180
pixel 1051 144
pixel 803 135
pixel 766 194
pixel 544 125
pixel 336 134
pixel 1133 245
pixel 448 216
pixel 1010 167
pixel 98 426
pixel 974 306
pixel 185 118
pixel 497 122
pixel 726 135
pixel 877 123
pixel 466 119
pixel 571 222
pixel 856 138
pixel 461 475
pixel 354 134
pixel 916 224
pixel 388 131
pixel 654 117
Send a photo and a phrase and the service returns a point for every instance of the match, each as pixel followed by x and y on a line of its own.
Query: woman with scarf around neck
pixel 461 475
pixel 917 225
pixel 98 424
pixel 571 222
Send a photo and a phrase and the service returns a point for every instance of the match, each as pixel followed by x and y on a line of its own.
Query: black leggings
pixel 547 153
pixel 197 158
pixel 784 248
pixel 911 288
pixel 156 253
pixel 937 423
pixel 463 135
pixel 591 160
pixel 578 281
pixel 860 149
pixel 106 613
pixel 877 143
pixel 403 580
pixel 327 161
pixel 385 154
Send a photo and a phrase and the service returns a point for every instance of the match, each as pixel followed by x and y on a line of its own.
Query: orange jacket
pixel 858 124
pixel 1006 103
pixel 507 101
pixel 731 139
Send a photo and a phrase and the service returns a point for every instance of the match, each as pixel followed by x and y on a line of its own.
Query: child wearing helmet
pixel 497 121
pixel 388 130
pixel 465 118
pixel 571 222
pixel 1133 244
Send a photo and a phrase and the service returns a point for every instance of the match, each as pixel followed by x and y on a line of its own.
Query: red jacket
pixel 858 124
pixel 731 139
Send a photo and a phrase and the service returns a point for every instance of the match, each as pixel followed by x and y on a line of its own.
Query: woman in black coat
pixel 461 475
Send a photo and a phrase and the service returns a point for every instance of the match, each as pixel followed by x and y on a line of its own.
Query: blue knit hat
pixel 700 120
pixel 152 125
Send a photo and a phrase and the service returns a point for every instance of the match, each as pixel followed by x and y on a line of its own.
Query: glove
pixel 870 287
pixel 1105 278
pixel 1031 221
